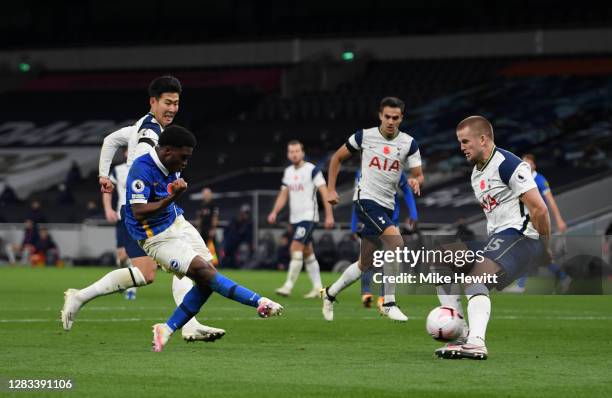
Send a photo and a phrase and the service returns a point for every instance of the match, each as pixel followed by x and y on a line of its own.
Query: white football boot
pixel 267 308
pixel 195 331
pixel 394 313
pixel 469 351
pixel 314 293
pixel 328 305
pixel 161 335
pixel 71 308
pixel 283 291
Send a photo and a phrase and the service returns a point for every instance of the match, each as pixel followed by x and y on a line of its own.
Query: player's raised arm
pixel 281 201
pixel 342 154
pixel 111 143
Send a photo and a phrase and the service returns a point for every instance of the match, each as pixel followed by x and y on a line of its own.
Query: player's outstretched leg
pixel 348 277
pixel 449 296
pixel 187 309
pixel 392 240
pixel 193 330
pixel 479 311
pixel 295 267
pixel 312 267
pixel 114 281
pixel 207 280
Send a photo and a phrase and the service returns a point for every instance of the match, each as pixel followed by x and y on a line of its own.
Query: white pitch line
pixel 503 317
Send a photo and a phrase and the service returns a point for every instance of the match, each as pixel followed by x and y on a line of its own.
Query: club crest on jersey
pixel 174 263
pixel 488 203
pixel 375 162
pixel 138 186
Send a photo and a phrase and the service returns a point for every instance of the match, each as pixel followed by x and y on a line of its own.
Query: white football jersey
pixel 139 138
pixel 303 183
pixel 118 176
pixel 382 163
pixel 497 187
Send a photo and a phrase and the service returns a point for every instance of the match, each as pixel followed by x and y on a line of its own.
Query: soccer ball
pixel 444 324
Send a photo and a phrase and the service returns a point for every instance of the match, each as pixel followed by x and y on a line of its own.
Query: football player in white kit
pixel 118 177
pixel 301 181
pixel 164 93
pixel 518 226
pixel 385 153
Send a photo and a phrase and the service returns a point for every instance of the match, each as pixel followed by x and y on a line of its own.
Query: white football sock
pixel 449 296
pixel 312 267
pixel 350 275
pixel 119 279
pixel 479 310
pixel 180 287
pixel 295 267
pixel 391 269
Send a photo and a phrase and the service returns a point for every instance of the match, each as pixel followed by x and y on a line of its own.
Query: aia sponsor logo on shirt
pixel 296 187
pixel 385 164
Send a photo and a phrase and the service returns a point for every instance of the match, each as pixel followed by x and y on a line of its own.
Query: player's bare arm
pixel 554 209
pixel 538 213
pixel 341 155
pixel 279 204
pixel 416 179
pixel 111 143
pixel 143 210
pixel 109 213
pixel 329 213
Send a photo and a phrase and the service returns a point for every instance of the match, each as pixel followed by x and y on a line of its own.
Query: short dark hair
pixel 164 84
pixel 295 142
pixel 392 102
pixel 178 137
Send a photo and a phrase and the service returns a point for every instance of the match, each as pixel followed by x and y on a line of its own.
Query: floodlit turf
pixel 544 346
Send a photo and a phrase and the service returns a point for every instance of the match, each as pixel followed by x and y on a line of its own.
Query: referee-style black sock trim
pixel 132 275
pixel 230 293
pixel 186 310
pixel 478 294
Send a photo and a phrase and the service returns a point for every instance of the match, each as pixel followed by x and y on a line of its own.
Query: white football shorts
pixel 175 248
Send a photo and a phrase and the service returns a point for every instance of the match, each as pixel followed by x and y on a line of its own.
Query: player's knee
pixel 475 289
pixel 147 267
pixel 201 270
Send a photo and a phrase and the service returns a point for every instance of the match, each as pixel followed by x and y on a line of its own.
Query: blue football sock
pixel 192 302
pixel 522 280
pixel 366 281
pixel 230 289
pixel 555 269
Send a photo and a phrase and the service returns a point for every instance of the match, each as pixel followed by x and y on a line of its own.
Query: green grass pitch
pixel 544 346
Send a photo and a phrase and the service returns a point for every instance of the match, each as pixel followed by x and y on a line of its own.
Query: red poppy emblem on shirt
pixel 169 188
pixel 482 184
pixel 386 150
